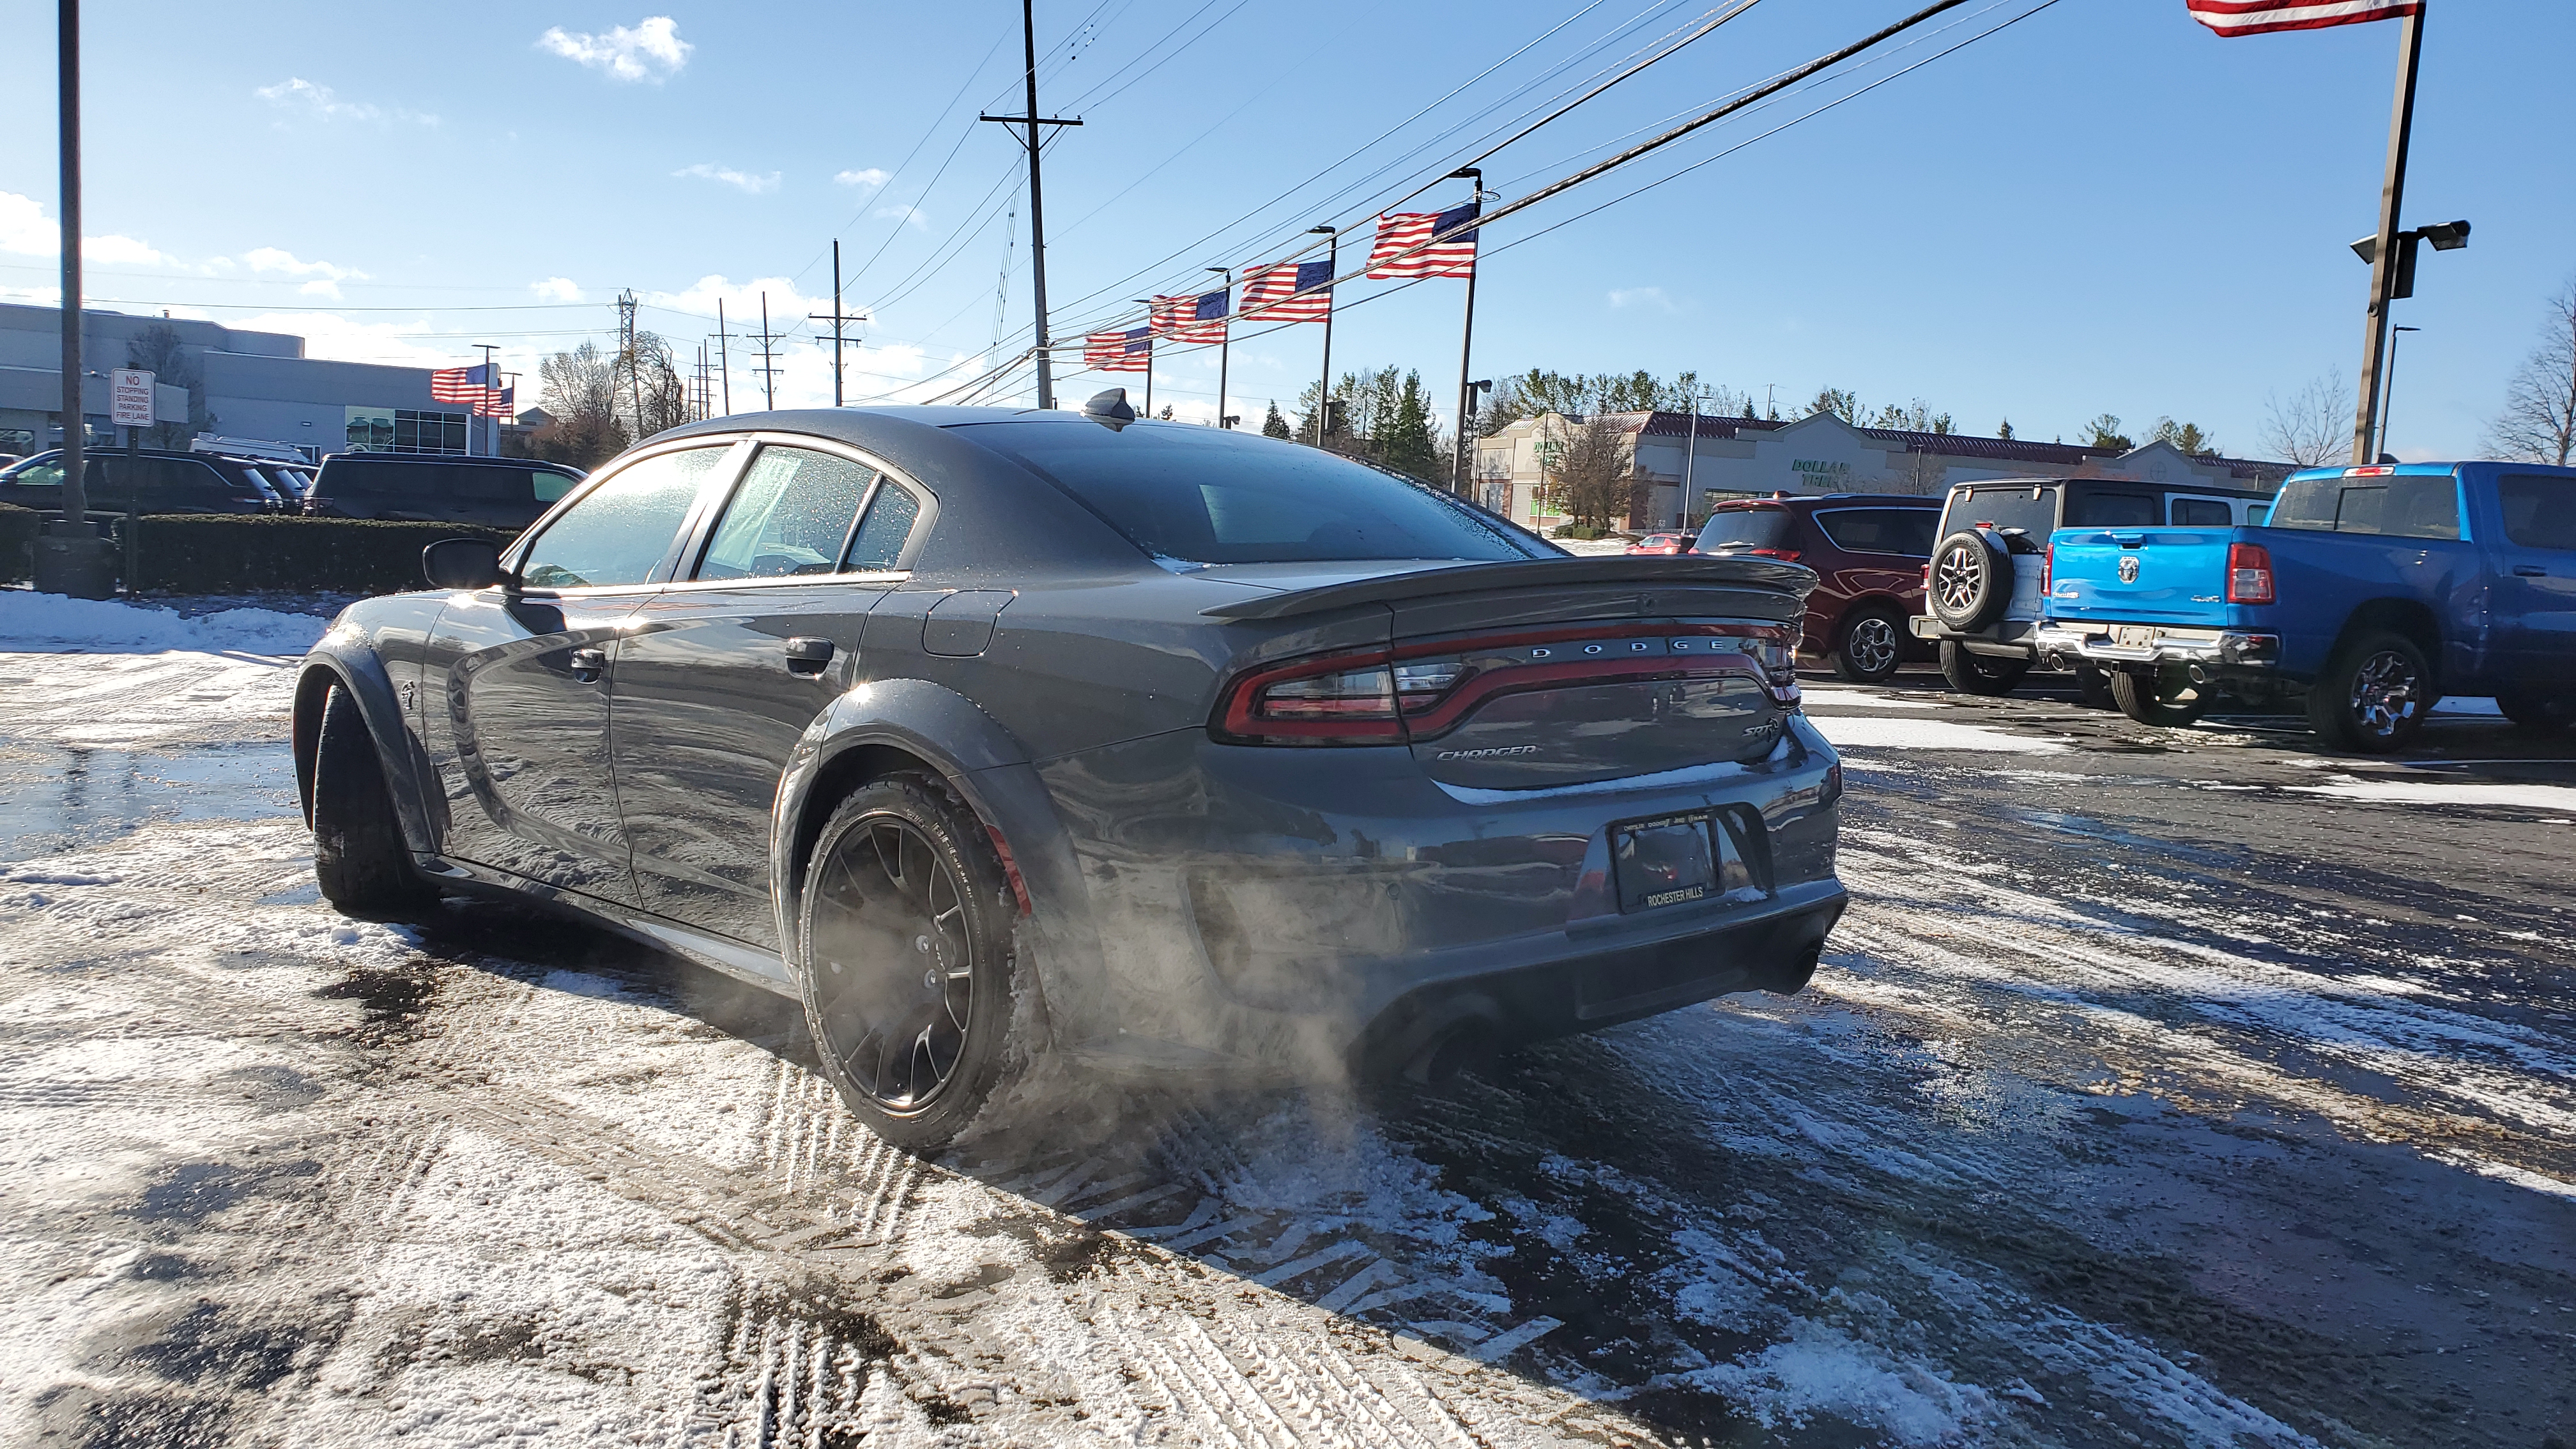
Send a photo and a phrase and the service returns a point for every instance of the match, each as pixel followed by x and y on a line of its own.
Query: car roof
pixel 469 460
pixel 1915 500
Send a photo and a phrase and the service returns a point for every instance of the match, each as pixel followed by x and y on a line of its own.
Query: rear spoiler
pixel 1796 580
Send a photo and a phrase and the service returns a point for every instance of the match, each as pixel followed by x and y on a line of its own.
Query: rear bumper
pixel 2225 652
pixel 2007 639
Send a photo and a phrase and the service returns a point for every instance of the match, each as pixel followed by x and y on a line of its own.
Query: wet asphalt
pixel 2164 1086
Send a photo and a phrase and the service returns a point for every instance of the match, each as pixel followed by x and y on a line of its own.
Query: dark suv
pixel 496 492
pixel 151 481
pixel 1868 551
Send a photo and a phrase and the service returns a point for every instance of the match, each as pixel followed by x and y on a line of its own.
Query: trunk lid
pixel 2140 576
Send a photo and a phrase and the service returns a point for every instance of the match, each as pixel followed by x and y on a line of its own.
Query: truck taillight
pixel 2047 567
pixel 2249 574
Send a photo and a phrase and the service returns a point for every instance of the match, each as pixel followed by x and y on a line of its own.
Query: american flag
pixel 1269 293
pixel 463 384
pixel 1191 319
pixel 1452 256
pixel 496 403
pixel 1130 351
pixel 2258 17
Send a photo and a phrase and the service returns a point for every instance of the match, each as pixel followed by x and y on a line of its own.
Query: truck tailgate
pixel 2140 576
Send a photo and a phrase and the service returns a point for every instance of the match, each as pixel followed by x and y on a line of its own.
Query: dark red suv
pixel 1868 551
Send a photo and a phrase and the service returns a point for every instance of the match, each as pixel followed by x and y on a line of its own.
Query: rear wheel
pixel 2374 694
pixel 359 857
pixel 908 965
pixel 2166 698
pixel 2539 714
pixel 2093 686
pixel 1871 647
pixel 1972 673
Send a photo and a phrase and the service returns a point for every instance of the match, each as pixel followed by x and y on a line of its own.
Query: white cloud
pixel 320 100
pixel 1625 297
pixel 872 176
pixel 557 289
pixel 746 181
pixel 650 51
pixel 910 216
pixel 271 259
pixel 321 287
pixel 26 231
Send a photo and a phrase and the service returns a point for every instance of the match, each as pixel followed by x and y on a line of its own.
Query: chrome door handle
pixel 808 656
pixel 589 664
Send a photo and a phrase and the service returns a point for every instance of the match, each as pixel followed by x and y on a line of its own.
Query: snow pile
pixel 51 623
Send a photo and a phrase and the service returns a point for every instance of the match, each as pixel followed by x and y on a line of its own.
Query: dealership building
pixel 256 386
pixel 1682 466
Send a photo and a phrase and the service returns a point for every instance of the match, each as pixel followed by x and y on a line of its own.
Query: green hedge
pixel 17 542
pixel 234 553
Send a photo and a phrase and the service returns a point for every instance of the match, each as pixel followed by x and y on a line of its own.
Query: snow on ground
pixel 51 623
pixel 2523 798
pixel 1847 731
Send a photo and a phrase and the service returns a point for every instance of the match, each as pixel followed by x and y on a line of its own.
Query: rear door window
pixel 789 516
pixel 2200 513
pixel 2539 510
pixel 1906 531
pixel 1746 528
pixel 2097 508
pixel 880 540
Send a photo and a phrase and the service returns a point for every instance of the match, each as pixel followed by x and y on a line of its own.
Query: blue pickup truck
pixel 2372 591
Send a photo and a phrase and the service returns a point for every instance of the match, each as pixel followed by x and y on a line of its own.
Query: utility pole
pixel 1224 346
pixel 1149 352
pixel 634 376
pixel 2384 262
pixel 491 390
pixel 1690 458
pixel 1475 179
pixel 724 357
pixel 1002 283
pixel 836 319
pixel 768 359
pixel 75 487
pixel 1037 195
pixel 1333 265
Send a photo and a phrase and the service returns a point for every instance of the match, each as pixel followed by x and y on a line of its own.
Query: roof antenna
pixel 1110 409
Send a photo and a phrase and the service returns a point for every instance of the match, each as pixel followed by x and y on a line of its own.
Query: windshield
pixel 1212 497
pixel 1745 528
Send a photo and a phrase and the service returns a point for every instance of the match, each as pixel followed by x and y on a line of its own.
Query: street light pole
pixel 1332 236
pixel 2388 400
pixel 1690 459
pixel 75 492
pixel 491 389
pixel 1224 343
pixel 2384 261
pixel 1149 352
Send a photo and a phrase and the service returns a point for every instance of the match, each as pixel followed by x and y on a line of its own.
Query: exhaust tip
pixel 1440 1060
pixel 2199 674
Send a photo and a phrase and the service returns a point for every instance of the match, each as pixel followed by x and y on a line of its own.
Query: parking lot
pixel 2180 1087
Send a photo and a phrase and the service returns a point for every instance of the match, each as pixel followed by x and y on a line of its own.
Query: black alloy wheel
pixel 2164 697
pixel 1871 647
pixel 907 962
pixel 1972 580
pixel 359 858
pixel 1970 672
pixel 2374 694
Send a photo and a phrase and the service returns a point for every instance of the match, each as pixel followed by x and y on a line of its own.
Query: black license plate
pixel 1668 862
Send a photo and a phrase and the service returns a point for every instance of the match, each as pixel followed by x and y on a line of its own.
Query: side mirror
pixel 462 563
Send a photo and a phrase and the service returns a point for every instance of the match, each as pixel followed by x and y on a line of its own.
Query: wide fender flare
pixel 355 666
pixel 985 764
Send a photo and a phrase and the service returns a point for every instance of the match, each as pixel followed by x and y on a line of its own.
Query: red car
pixel 1868 551
pixel 1667 544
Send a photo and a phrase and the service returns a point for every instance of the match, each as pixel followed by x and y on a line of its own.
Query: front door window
pixel 620 531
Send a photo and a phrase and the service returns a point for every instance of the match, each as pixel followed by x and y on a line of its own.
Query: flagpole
pixel 1149 352
pixel 1475 180
pixel 1224 341
pixel 1332 268
pixel 2383 265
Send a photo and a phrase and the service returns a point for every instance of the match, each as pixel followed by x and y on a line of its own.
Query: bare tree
pixel 2314 427
pixel 581 396
pixel 2538 424
pixel 1590 484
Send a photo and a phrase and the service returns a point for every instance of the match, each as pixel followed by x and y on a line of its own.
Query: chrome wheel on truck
pixel 2373 695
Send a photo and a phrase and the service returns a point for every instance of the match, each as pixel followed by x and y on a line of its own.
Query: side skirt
pixel 721 954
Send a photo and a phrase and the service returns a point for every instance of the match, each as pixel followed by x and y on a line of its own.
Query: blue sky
pixel 2101 208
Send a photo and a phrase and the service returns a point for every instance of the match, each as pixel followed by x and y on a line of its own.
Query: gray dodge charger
pixel 1002 736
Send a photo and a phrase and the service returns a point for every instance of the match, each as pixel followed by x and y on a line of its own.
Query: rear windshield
pixel 1206 496
pixel 1745 528
pixel 2031 508
pixel 348 478
pixel 1906 531
pixel 2387 506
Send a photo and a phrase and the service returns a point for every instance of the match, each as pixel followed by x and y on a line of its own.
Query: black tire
pixel 1972 580
pixel 1972 673
pixel 359 857
pixel 2373 695
pixel 1871 645
pixel 2093 686
pixel 2537 714
pixel 2167 699
pixel 904 879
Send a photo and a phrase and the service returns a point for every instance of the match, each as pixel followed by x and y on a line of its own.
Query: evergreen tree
pixel 1404 440
pixel 2004 428
pixel 1274 426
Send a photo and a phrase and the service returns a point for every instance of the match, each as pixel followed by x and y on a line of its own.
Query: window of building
pixel 405 430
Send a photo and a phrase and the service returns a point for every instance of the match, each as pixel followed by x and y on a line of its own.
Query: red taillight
pixel 1386 696
pixel 2249 574
pixel 2047 567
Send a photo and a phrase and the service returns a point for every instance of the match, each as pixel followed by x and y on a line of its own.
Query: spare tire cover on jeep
pixel 1972 579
